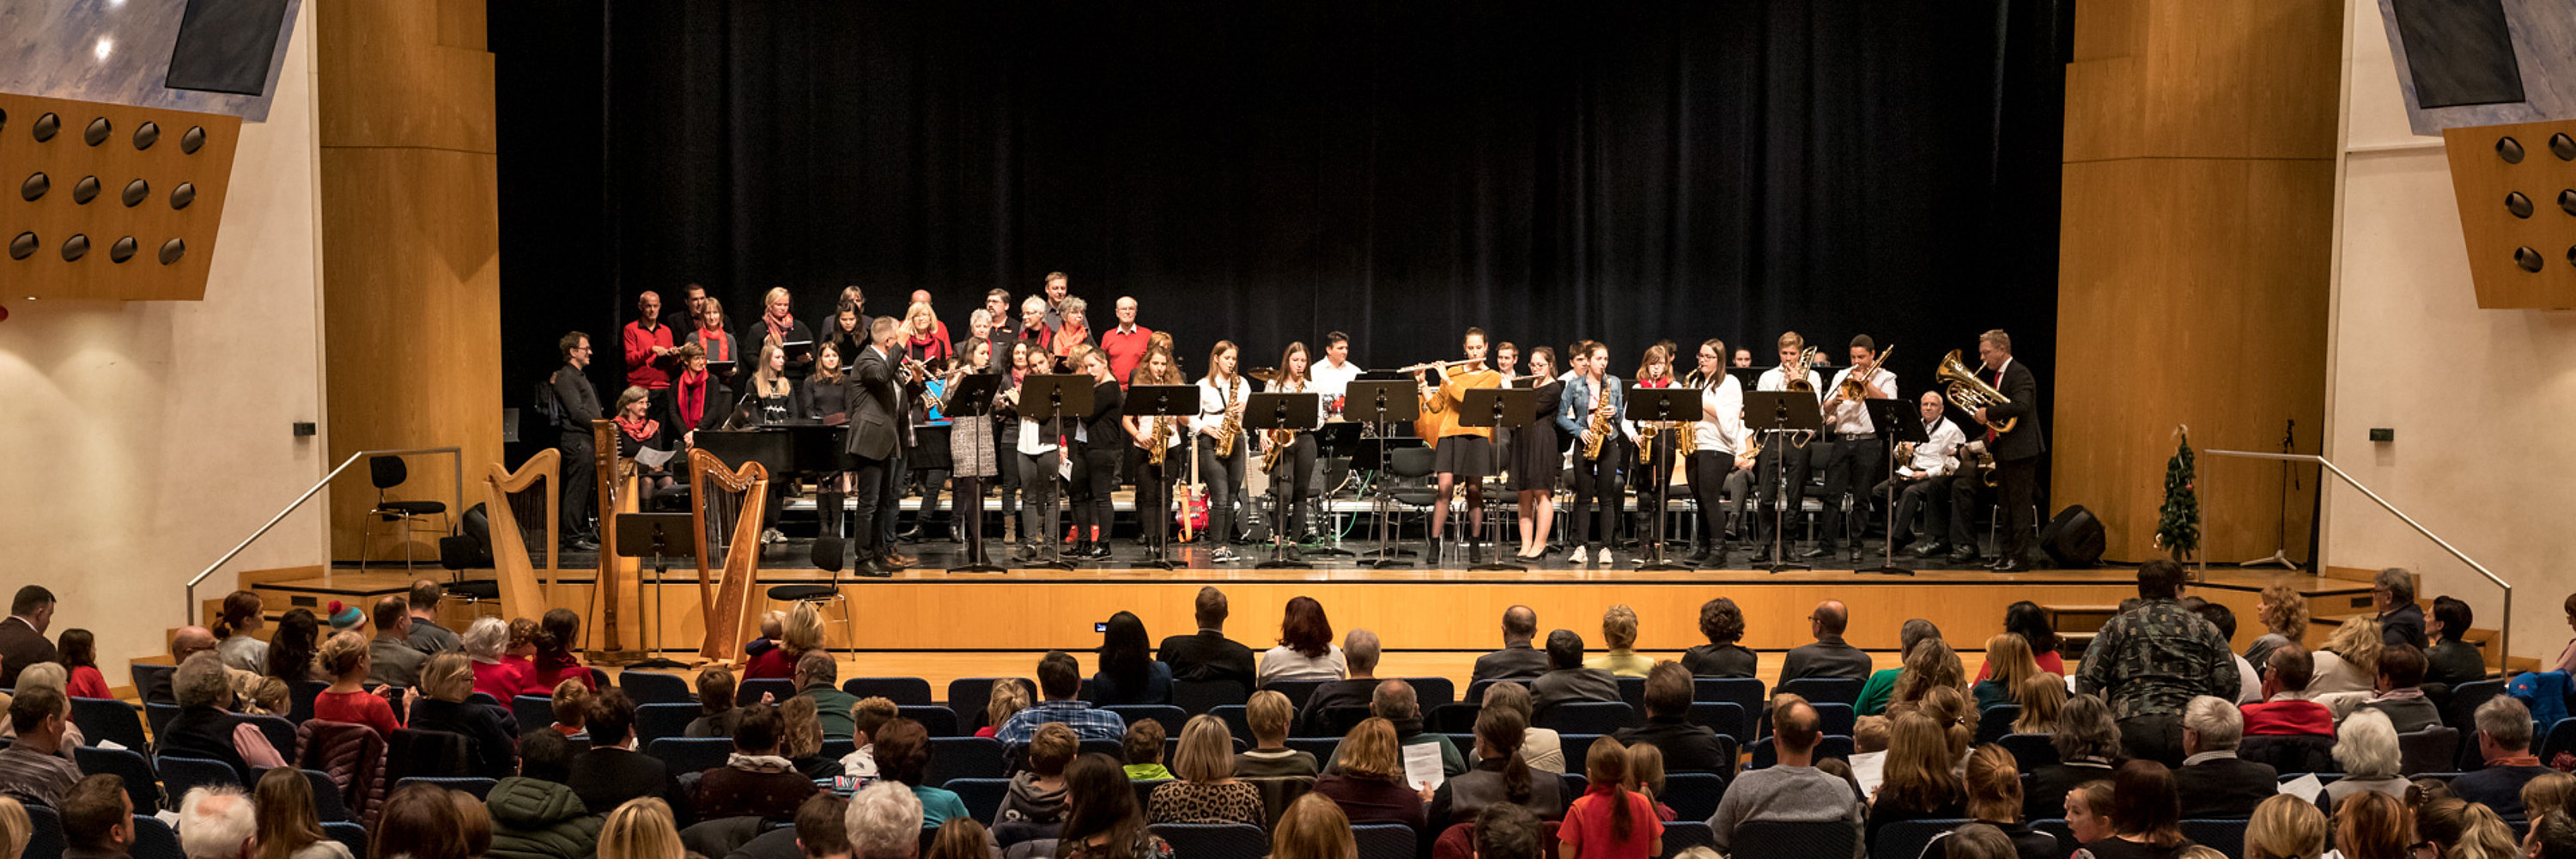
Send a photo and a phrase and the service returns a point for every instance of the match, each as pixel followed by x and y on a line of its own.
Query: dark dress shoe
pixel 2014 565
pixel 1099 551
pixel 1817 552
pixel 1962 557
pixel 910 535
pixel 1930 549
pixel 871 569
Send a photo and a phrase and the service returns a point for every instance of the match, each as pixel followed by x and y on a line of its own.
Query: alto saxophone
pixel 1278 442
pixel 1227 432
pixel 1603 417
pixel 1158 442
pixel 1646 441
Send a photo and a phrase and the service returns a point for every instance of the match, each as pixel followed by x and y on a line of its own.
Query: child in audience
pixel 80 655
pixel 1646 776
pixel 1144 745
pixel 1869 751
pixel 1268 714
pixel 522 651
pixel 1034 807
pixel 1610 821
pixel 1009 697
pixel 768 653
pixel 261 696
pixel 866 717
pixel 572 699
pixel 717 714
pixel 960 838
pixel 2548 792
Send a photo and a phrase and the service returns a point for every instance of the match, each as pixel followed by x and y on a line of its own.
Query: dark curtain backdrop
pixel 1267 172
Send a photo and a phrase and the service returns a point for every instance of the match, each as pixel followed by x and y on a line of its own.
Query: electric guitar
pixel 1193 512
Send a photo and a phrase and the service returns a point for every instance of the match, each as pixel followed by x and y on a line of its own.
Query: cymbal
pixel 1265 374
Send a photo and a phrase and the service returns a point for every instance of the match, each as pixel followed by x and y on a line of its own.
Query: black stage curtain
pixel 1266 172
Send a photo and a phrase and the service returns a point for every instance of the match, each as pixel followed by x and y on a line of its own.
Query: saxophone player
pixel 1783 455
pixel 1292 452
pixel 1465 453
pixel 1714 446
pixel 2016 452
pixel 1159 438
pixel 1852 447
pixel 1922 479
pixel 1220 424
pixel 1590 416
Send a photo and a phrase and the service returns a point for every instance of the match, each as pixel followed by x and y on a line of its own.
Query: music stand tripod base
pixel 660 537
pixel 1897 429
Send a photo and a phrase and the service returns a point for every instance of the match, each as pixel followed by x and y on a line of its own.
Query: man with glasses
pixel 1828 656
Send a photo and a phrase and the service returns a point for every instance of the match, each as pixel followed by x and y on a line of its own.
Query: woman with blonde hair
pixel 1928 665
pixel 1206 790
pixel 1010 695
pixel 1957 716
pixel 1314 827
pixel 2349 662
pixel 775 397
pixel 803 633
pixel 642 828
pixel 1619 633
pixel 2008 663
pixel 2285 827
pixel 924 338
pixel 2460 829
pixel 2283 611
pixel 289 825
pixel 1368 777
pixel 1917 781
pixel 2042 695
pixel 16 828
pixel 445 682
pixel 1993 785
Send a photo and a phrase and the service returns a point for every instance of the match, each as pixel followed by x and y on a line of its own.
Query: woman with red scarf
pixel 711 338
pixel 1074 336
pixel 637 432
pixel 780 327
pixel 698 399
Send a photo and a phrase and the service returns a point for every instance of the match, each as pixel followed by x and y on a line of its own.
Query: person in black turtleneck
pixel 1095 475
pixel 580 404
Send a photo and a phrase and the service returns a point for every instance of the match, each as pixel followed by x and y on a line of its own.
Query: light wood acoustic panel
pixel 2517 192
pixel 107 202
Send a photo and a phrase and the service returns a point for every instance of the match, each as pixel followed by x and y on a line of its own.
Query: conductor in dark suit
pixel 874 393
pixel 2016 458
pixel 22 635
pixel 1207 655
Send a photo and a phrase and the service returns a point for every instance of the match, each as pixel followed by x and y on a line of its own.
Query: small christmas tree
pixel 2178 523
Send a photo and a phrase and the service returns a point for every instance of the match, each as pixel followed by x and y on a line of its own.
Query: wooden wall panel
pixel 57 214
pixel 2481 178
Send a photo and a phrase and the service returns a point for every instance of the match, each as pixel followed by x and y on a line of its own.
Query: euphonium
pixel 1603 417
pixel 1970 393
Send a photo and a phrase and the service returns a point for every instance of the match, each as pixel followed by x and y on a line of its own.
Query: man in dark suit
pixel 1828 656
pixel 1207 654
pixel 2401 621
pixel 610 774
pixel 874 386
pixel 2016 458
pixel 1517 660
pixel 1567 681
pixel 579 403
pixel 22 635
pixel 2215 784
pixel 1687 746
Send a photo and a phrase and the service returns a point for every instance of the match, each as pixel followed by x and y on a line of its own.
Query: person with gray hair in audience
pixel 2366 747
pixel 2392 595
pixel 2504 740
pixel 2215 784
pixel 206 727
pixel 484 641
pixel 31 770
pixel 1360 651
pixel 48 675
pixel 883 822
pixel 217 823
pixel 2088 745
pixel 1395 701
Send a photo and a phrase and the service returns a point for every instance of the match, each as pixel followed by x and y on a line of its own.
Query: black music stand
pixel 1163 401
pixel 1664 406
pixel 1046 398
pixel 658 536
pixel 1267 411
pixel 1338 438
pixel 972 396
pixel 1497 408
pixel 1896 426
pixel 1384 402
pixel 1780 416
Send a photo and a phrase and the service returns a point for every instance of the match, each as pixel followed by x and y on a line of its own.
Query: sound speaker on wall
pixel 226 45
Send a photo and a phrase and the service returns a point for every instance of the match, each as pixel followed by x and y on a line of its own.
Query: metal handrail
pixel 189 611
pixel 2504 630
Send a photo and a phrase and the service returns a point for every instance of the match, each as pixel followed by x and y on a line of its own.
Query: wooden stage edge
pixel 1411 610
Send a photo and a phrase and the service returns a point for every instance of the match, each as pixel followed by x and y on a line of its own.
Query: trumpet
pixel 1853 387
pixel 1971 394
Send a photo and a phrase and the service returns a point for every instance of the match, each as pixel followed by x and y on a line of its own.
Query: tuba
pixel 1970 393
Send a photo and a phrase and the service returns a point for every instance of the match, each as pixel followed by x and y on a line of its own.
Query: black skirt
pixel 930 449
pixel 1464 456
pixel 1537 458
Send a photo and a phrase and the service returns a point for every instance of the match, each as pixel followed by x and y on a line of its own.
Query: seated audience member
pixel 188 641
pixel 2461 829
pixel 571 706
pixel 1143 747
pixel 1268 714
pixel 1723 625
pixel 1541 747
pixel 1504 832
pixel 1396 703
pixel 2285 709
pixel 349 658
pixel 2249 684
pixel 1916 782
pixel 2011 654
pixel 2348 664
pixel 1869 752
pixel 1353 691
pixel 1059 679
pixel 640 828
pixel 1930 669
pixel 1207 791
pixel 1791 791
pixel 2285 827
pixel 1128 673
pixel 290 825
pixel 2401 621
pixel 1646 775
pixel 2146 815
pixel 2553 791
pixel 866 718
pixel 558 640
pixel 2028 620
pixel 291 648
pixel 2087 811
pixel 1010 695
pixel 445 682
pixel 425 633
pixel 1313 828
pixel 98 817
pixel 613 772
pixel 345 618
pixel 1306 650
pixel 2147 663
pixel 261 696
pixel 768 656
pixel 903 756
pixel 2504 741
pixel 2553 836
pixel 483 642
pixel 1993 785
pixel 2373 825
pixel 535 813
pixel 1687 746
pixel 22 635
pixel 1368 780
pixel 2366 748
pixel 2215 784
pixel 1499 777
pixel 884 821
pixel 717 710
pixel 1035 803
pixel 2087 744
pixel 1102 819
pixel 1610 821
pixel 1619 633
pixel 2400 692
pixel 1976 840
pixel 2041 696
pixel 217 823
pixel 31 769
pixel 800 740
pixel 1207 655
pixel 2451 660
pixel 424 821
pixel 80 657
pixel 205 728
pixel 1517 660
pixel 392 660
pixel 523 647
pixel 755 780
pixel 2283 612
pixel 236 632
pixel 1566 680
pixel 1881 685
pixel 1827 656
pixel 48 675
pixel 1949 707
pixel 819 679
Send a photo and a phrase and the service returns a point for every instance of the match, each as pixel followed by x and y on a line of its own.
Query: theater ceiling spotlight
pixel 86 174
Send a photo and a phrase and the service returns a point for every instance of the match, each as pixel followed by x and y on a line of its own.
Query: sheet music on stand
pixel 1045 398
pixel 1669 405
pixel 660 537
pixel 1783 417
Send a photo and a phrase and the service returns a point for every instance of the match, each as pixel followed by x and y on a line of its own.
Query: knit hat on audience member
pixel 345 617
